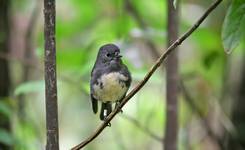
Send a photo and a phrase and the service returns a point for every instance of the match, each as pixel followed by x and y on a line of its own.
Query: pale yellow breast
pixel 112 90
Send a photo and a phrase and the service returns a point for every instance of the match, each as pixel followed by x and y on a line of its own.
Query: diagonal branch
pixel 147 76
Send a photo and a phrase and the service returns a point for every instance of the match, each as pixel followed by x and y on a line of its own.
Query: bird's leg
pixel 105 111
pixel 117 105
pixel 108 111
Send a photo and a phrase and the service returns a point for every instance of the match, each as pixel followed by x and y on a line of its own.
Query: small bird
pixel 110 80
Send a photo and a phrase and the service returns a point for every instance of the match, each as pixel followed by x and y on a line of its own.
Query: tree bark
pixel 171 129
pixel 4 69
pixel 50 76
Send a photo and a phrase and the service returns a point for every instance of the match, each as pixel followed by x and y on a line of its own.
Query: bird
pixel 110 80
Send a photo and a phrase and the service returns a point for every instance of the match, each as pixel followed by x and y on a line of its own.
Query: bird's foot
pixel 109 124
pixel 117 105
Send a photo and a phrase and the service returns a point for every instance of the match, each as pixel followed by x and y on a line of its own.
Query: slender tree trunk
pixel 171 130
pixel 50 76
pixel 4 69
pixel 28 56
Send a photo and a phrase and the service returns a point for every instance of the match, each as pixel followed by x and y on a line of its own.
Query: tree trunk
pixel 50 76
pixel 171 130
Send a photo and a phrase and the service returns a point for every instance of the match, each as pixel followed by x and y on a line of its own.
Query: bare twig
pixel 132 10
pixel 148 75
pixel 27 62
pixel 144 129
pixel 50 76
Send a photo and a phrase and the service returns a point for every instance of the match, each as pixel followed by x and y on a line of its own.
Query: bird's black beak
pixel 118 56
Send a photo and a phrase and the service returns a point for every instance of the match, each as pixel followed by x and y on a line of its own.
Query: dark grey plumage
pixel 110 79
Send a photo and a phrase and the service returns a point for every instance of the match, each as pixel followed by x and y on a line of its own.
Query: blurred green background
pixel 210 76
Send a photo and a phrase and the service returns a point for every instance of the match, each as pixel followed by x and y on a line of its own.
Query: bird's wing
pixel 94 77
pixel 95 74
pixel 126 73
pixel 94 104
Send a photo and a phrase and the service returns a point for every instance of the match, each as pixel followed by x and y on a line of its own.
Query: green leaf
pixel 5 109
pixel 5 137
pixel 233 26
pixel 175 2
pixel 28 87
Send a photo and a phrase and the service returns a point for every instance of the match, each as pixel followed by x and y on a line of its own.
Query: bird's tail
pixel 106 109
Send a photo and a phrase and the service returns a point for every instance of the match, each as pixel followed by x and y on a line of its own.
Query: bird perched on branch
pixel 110 80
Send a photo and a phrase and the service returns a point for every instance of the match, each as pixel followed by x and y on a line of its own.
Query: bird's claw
pixel 117 107
pixel 108 124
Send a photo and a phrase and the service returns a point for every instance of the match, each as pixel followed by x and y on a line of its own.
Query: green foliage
pixel 234 25
pixel 6 112
pixel 5 137
pixel 156 18
pixel 30 133
pixel 175 2
pixel 30 86
pixel 71 59
pixel 82 27
pixel 5 109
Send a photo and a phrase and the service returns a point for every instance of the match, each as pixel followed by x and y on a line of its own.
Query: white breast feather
pixel 112 90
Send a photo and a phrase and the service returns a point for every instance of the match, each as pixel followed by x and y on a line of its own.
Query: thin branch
pixel 50 76
pixel 144 129
pixel 133 11
pixel 148 75
pixel 28 62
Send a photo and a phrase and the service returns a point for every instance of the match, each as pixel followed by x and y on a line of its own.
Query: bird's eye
pixel 108 55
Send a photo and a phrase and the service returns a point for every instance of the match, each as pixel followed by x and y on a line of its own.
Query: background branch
pixel 148 75
pixel 172 79
pixel 28 54
pixel 206 125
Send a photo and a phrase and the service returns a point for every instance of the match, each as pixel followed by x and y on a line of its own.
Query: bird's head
pixel 109 54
